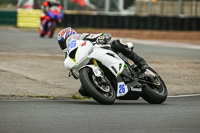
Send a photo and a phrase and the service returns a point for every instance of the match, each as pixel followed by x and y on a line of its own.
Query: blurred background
pixel 125 14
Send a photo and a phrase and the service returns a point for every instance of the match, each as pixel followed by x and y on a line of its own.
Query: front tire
pixel 42 34
pixel 52 30
pixel 89 82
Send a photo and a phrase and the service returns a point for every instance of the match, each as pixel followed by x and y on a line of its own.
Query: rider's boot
pixel 139 61
pixel 120 46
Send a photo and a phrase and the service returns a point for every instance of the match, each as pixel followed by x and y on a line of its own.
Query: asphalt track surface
pixel 18 41
pixel 176 115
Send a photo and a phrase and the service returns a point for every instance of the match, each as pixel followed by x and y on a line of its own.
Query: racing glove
pixel 104 38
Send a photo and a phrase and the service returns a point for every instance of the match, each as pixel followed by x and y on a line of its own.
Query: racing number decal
pixel 122 89
pixel 71 45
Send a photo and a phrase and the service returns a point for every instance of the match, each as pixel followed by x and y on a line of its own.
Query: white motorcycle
pixel 106 75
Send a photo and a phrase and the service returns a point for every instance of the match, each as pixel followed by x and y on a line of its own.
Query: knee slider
pixel 120 46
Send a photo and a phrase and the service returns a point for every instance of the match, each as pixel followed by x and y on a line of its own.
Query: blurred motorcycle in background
pixel 50 21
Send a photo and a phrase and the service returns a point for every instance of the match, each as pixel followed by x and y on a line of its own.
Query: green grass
pixel 51 97
pixel 80 97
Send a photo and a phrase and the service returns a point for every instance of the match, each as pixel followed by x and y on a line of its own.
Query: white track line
pixel 32 54
pixel 163 43
pixel 189 95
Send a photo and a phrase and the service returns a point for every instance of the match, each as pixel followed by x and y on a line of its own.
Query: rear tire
pixel 92 88
pixel 152 96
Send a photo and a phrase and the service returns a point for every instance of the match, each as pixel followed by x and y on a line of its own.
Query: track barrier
pixel 131 22
pixel 8 17
pixel 30 18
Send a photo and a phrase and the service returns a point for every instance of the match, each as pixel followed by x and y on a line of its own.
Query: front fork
pixel 99 74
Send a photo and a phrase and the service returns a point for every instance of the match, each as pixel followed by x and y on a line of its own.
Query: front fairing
pixel 109 59
pixel 77 52
pixel 55 13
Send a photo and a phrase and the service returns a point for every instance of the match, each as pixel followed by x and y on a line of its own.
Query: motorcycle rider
pixel 103 38
pixel 44 18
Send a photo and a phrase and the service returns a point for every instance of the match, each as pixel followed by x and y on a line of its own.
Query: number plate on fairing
pixel 71 46
pixel 121 89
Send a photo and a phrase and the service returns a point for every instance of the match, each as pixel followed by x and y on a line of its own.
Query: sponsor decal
pixel 136 89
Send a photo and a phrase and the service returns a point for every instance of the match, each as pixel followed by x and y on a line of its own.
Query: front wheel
pixel 41 32
pixel 102 93
pixel 155 91
pixel 52 30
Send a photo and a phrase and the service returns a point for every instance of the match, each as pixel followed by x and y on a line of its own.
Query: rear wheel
pixel 156 91
pixel 102 93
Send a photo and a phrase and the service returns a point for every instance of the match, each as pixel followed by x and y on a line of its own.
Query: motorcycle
pixel 106 75
pixel 49 23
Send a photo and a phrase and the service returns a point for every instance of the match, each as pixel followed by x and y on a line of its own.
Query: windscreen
pixel 71 41
pixel 73 37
